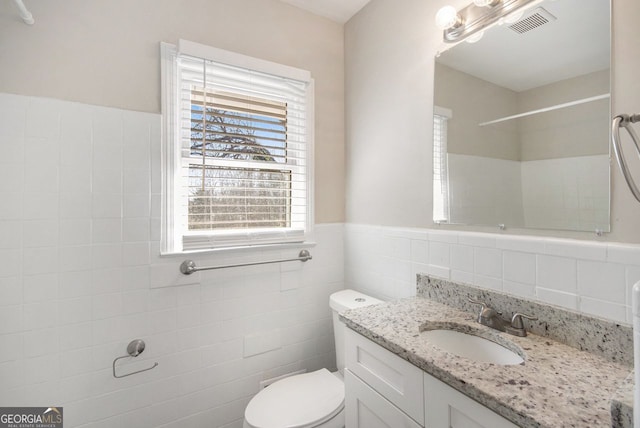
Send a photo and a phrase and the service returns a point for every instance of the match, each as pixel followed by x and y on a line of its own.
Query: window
pixel 238 146
pixel 440 179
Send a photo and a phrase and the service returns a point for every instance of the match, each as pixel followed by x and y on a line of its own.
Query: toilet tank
pixel 339 302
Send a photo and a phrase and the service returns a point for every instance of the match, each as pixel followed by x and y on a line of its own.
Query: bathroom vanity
pixel 573 365
pixel 383 390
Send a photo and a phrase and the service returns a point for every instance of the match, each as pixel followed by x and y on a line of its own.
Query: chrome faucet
pixel 492 318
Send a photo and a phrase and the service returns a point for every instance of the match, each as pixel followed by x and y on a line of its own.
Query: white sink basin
pixel 472 347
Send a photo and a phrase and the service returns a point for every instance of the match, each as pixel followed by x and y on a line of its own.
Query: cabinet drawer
pixel 396 379
pixel 446 407
pixel 365 408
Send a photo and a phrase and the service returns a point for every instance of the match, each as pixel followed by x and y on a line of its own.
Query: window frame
pixel 172 234
pixel 440 164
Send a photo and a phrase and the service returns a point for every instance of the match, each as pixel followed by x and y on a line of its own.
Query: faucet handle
pixel 478 302
pixel 516 320
pixel 486 311
pixel 483 305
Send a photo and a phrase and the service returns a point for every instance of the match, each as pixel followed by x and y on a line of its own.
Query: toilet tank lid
pixel 342 300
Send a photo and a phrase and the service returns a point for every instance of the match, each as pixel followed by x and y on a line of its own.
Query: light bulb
pixel 474 37
pixel 447 17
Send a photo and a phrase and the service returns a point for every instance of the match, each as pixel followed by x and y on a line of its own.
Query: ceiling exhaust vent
pixel 538 18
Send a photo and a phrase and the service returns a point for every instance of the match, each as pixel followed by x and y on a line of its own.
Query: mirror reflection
pixel 521 122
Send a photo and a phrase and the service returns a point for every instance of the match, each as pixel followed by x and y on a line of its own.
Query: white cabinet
pixel 447 408
pixel 384 391
pixel 396 379
pixel 365 408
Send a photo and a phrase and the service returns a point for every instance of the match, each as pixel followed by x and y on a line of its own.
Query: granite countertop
pixel 557 386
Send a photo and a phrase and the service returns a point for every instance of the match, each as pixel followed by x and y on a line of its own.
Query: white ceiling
pixel 336 10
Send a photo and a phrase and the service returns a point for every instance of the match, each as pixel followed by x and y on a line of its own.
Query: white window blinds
pixel 243 143
pixel 440 179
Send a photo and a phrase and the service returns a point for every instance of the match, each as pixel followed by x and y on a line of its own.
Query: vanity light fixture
pixel 513 17
pixel 461 24
pixel 447 17
pixel 485 3
pixel 475 37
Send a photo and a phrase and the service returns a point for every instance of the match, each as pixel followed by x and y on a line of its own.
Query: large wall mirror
pixel 521 122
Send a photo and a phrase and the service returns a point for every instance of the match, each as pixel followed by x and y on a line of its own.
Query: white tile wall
pixel 539 187
pixel 80 277
pixel 591 277
pixel 482 190
pixel 566 193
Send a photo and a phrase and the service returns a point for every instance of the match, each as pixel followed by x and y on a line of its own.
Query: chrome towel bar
pixel 625 121
pixel 189 266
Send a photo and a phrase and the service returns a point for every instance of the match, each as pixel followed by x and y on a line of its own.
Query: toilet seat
pixel 301 401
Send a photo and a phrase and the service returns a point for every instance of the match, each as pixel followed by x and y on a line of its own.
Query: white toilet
pixel 309 400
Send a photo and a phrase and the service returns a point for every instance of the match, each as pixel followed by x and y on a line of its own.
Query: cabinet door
pixel 396 379
pixel 365 408
pixel 447 408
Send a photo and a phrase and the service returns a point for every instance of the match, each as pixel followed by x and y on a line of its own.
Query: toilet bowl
pixel 308 400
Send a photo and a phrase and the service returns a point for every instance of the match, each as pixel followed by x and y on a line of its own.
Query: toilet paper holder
pixel 135 348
